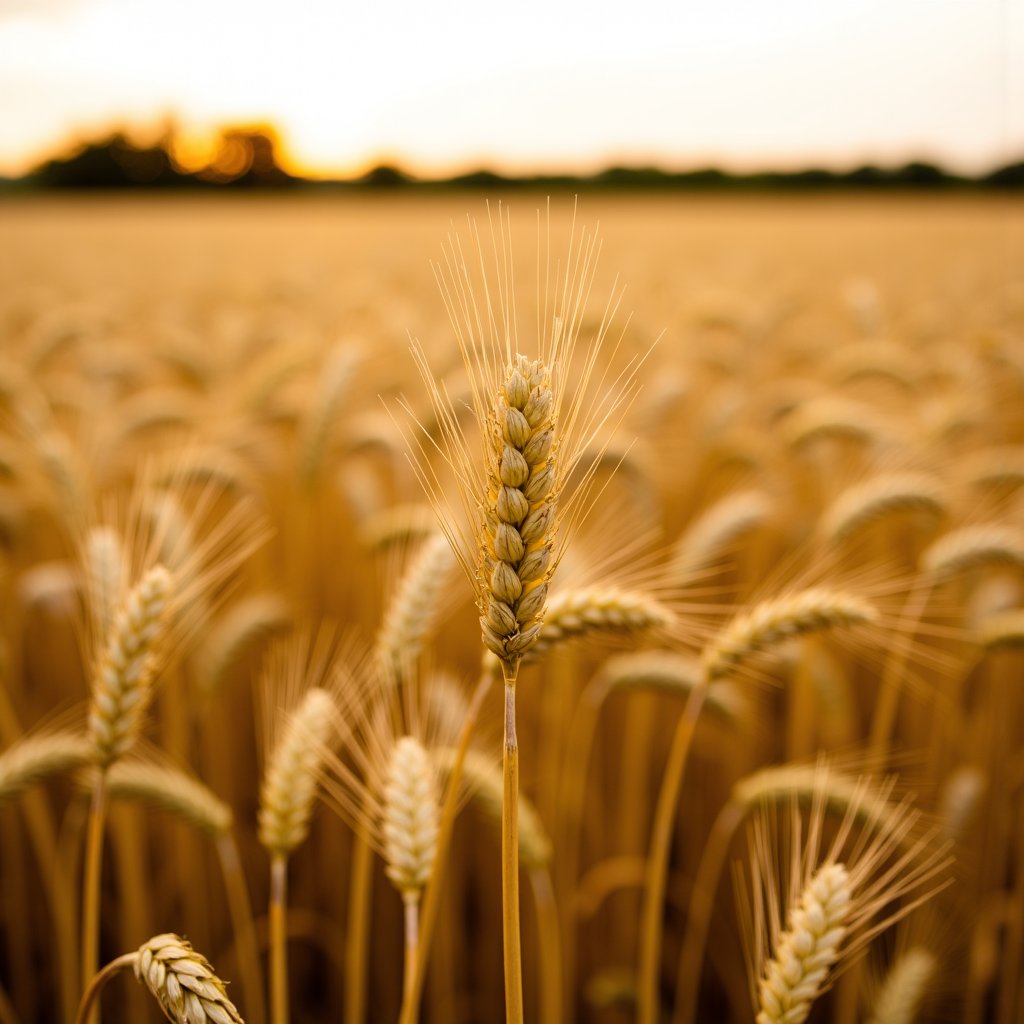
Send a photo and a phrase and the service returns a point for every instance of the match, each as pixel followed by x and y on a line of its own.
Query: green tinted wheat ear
pixel 410 818
pixel 519 514
pixel 803 954
pixel 183 983
pixel 124 675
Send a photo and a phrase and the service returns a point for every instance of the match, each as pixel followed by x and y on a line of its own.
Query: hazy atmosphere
pixel 450 86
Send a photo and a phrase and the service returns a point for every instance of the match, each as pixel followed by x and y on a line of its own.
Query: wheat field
pixel 726 494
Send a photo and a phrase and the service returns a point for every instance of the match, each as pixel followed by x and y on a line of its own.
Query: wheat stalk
pixel 904 988
pixel 880 496
pixel 183 983
pixel 410 818
pixel 415 606
pixel 290 780
pixel 589 611
pixel 971 547
pixel 782 618
pixel 36 757
pixel 804 953
pixel 123 678
pixel 717 529
pixel 172 790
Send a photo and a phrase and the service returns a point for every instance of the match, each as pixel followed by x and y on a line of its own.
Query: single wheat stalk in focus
pixel 120 694
pixel 532 437
pixel 180 979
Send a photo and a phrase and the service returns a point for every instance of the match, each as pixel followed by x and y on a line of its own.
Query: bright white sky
pixel 445 85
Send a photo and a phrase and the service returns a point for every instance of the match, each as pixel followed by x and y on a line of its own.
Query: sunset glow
pixel 453 86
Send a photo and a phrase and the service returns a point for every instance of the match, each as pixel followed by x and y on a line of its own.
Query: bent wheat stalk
pixel 180 979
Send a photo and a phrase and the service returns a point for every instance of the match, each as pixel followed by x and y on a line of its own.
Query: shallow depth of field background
pixel 130 326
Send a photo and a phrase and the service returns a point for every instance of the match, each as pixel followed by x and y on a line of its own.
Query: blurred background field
pixel 251 352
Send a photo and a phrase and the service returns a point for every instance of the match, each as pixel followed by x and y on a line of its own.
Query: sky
pixel 535 85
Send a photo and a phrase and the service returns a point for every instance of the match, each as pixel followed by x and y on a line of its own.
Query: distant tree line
pixel 247 158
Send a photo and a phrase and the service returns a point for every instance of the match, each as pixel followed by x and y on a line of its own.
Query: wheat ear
pixel 34 758
pixel 880 496
pixel 904 988
pixel 171 790
pixel 105 568
pixel 183 983
pixel 124 675
pixel 794 976
pixel 973 546
pixel 414 608
pixel 409 827
pixel 120 694
pixel 410 818
pixel 180 979
pixel 778 619
pixel 716 529
pixel 253 619
pixel 519 516
pixel 290 781
pixel 286 806
pixel 585 611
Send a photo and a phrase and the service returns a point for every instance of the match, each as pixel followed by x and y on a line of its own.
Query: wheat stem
pixel 657 867
pixel 510 864
pixel 360 902
pixel 412 927
pixel 243 925
pixel 91 880
pixel 97 983
pixel 278 939
pixel 700 909
pixel 432 895
pixel 549 945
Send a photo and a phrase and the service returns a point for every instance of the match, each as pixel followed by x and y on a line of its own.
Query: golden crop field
pixel 709 544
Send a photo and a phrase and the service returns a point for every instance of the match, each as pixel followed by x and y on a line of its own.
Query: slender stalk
pixel 432 896
pixel 894 672
pixel 244 927
pixel 412 940
pixel 92 879
pixel 7 1014
pixel 699 911
pixel 549 944
pixel 278 939
pixel 360 900
pixel 510 863
pixel 95 986
pixel 657 866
